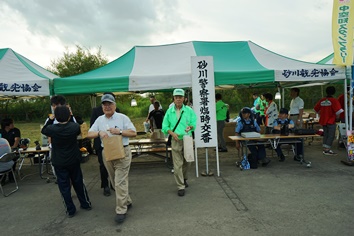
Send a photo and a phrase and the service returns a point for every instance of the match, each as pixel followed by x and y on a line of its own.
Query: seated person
pixel 277 126
pixel 5 148
pixel 10 133
pixel 248 124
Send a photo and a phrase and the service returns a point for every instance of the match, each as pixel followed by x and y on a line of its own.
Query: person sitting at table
pixel 13 135
pixel 4 166
pixel 10 133
pixel 247 123
pixel 66 158
pixel 278 124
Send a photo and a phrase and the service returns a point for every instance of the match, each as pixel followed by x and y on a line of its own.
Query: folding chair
pixel 342 135
pixel 7 157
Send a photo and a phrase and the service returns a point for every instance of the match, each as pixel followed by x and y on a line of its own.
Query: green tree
pixel 74 63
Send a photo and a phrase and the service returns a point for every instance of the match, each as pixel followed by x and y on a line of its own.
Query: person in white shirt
pixel 109 124
pixel 296 107
pixel 151 108
pixel 271 112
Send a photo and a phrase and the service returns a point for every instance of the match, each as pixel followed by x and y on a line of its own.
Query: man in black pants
pixel 96 112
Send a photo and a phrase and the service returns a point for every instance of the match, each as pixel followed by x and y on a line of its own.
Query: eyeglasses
pixel 107 104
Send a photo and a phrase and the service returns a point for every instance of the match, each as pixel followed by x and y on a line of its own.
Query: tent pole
pixel 196 162
pixel 346 106
pixel 351 99
pixel 217 163
pixel 206 161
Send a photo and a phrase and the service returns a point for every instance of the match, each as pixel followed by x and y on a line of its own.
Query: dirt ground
pixel 284 198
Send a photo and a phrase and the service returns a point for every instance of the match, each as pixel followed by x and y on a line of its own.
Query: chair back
pixel 7 157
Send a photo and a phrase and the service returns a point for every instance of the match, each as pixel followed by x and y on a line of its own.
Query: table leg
pixel 302 160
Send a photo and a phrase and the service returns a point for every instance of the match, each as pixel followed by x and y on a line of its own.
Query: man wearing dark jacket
pixel 66 158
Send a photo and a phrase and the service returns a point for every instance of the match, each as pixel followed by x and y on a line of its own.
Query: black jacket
pixel 65 150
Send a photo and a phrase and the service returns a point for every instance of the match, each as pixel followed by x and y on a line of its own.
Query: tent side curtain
pixel 113 77
pixel 21 77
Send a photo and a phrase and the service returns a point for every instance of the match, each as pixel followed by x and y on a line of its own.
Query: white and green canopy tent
pixel 154 68
pixel 20 77
pixel 327 60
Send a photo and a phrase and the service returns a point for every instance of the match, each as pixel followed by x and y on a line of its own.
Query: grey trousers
pixel 118 172
pixel 180 165
pixel 329 132
pixel 294 119
pixel 220 132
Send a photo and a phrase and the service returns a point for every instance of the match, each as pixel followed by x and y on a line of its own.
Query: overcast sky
pixel 41 29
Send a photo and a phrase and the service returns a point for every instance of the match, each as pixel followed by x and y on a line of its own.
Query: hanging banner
pixel 342 31
pixel 203 87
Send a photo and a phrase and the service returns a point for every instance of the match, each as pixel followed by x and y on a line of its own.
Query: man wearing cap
pixel 186 125
pixel 96 112
pixel 277 126
pixel 113 123
pixel 296 108
pixel 247 123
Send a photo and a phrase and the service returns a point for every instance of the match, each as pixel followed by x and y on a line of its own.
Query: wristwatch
pixel 120 132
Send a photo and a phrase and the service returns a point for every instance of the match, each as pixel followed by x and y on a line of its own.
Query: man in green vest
pixel 221 110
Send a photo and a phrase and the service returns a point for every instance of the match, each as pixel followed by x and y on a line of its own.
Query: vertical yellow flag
pixel 342 31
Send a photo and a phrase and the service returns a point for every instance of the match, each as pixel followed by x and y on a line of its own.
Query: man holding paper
pixel 179 120
pixel 115 125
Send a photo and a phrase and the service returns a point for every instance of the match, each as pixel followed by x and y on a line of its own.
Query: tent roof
pixel 239 63
pixel 22 77
pixel 327 60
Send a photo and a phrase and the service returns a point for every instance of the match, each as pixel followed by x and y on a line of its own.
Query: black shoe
pixel 86 208
pixel 180 192
pixel 282 158
pixel 264 164
pixel 223 150
pixel 129 206
pixel 106 191
pixel 119 218
pixel 185 184
pixel 71 215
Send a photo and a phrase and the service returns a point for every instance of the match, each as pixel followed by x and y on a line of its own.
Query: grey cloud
pixel 110 24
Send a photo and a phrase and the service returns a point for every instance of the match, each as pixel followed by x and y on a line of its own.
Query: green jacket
pixel 170 120
pixel 221 110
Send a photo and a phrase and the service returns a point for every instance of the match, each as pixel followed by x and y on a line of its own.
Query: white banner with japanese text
pixel 203 87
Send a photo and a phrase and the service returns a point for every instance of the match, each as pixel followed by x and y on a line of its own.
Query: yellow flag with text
pixel 342 31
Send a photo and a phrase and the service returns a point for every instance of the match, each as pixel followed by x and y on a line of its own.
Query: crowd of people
pixel 178 120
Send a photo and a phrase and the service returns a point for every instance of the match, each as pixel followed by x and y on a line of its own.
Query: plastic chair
pixel 6 158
